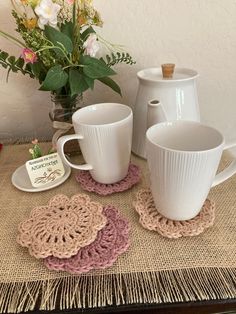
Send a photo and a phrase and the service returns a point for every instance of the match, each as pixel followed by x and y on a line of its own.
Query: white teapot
pixel 177 100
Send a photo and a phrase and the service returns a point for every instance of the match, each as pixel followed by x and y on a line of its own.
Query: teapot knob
pixel 168 70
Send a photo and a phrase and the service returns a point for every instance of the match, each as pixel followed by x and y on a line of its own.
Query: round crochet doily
pixel 62 227
pixel 89 184
pixel 112 241
pixel 150 218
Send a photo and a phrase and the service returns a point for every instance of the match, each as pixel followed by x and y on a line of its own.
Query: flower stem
pixel 109 45
pixel 74 66
pixel 13 39
pixel 54 47
pixel 76 32
pixel 16 8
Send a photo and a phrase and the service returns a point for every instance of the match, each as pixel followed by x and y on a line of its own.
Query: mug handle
pixel 60 149
pixel 229 171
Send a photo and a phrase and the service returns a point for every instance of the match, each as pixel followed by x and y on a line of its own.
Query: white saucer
pixel 20 179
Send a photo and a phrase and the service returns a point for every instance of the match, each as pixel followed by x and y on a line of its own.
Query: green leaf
pixel 36 69
pixel 20 63
pixel 89 81
pixel 108 58
pixel 11 60
pixel 13 64
pixel 58 39
pixel 55 79
pixel 87 32
pixel 95 68
pixel 4 65
pixel 77 82
pixel 112 84
pixel 68 29
pixel 118 57
pixel 29 69
pixel 3 55
pixel 14 69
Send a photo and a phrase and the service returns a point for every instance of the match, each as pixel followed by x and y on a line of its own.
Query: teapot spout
pixel 155 113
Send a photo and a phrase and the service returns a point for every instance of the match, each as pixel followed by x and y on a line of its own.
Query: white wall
pixel 199 34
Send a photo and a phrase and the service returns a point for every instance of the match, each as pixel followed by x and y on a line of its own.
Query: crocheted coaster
pixel 112 241
pixel 62 227
pixel 150 218
pixel 90 185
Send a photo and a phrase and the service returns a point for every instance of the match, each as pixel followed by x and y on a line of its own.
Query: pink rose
pixel 35 141
pixel 91 45
pixel 29 55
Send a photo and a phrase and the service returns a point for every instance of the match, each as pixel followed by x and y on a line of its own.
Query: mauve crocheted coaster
pixel 112 241
pixel 150 218
pixel 89 184
pixel 62 227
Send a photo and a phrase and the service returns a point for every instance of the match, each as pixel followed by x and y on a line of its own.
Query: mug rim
pixel 184 122
pixel 87 108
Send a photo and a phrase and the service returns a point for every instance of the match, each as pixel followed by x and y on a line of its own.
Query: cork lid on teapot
pixel 168 70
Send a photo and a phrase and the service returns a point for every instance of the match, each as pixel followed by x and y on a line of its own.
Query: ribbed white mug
pixel 104 132
pixel 183 158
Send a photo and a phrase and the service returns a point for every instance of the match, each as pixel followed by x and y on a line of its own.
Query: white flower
pixel 91 45
pixel 47 12
pixel 66 12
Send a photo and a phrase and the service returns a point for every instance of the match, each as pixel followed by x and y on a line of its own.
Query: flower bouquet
pixel 59 48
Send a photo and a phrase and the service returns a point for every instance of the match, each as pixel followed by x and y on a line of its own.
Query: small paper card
pixel 45 170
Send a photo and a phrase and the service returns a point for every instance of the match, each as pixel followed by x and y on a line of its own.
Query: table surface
pixel 207 306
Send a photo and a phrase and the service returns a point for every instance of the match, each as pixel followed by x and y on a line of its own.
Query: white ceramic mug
pixel 183 157
pixel 104 132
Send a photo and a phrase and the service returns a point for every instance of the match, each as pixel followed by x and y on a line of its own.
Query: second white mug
pixel 104 132
pixel 183 158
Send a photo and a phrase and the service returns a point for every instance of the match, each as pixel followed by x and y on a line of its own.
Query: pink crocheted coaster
pixel 90 185
pixel 150 218
pixel 112 241
pixel 62 227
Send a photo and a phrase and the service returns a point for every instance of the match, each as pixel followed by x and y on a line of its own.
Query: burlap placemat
pixel 154 270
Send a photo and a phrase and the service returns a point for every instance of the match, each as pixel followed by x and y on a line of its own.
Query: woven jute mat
pixel 154 269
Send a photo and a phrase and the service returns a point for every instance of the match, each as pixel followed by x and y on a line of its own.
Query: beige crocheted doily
pixel 150 218
pixel 62 227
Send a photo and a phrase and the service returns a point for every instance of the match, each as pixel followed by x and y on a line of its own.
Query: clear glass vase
pixel 63 107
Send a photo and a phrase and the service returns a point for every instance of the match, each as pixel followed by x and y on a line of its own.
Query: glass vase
pixel 63 107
